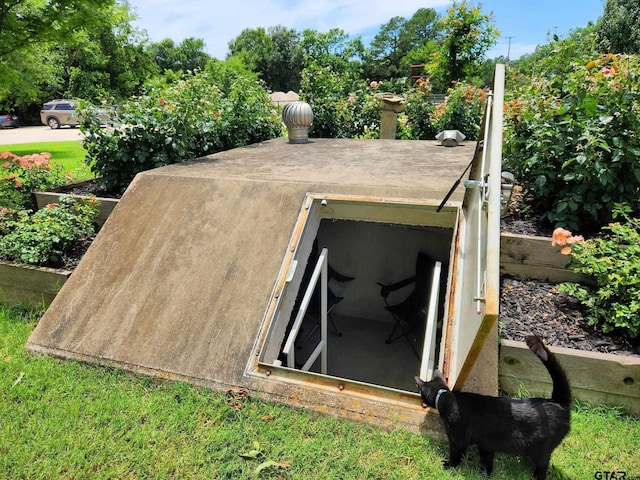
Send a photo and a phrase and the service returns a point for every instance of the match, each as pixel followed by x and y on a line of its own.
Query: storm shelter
pixel 371 258
pixel 280 267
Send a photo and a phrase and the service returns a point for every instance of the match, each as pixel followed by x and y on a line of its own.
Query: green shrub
pixel 349 108
pixel 179 120
pixel 613 262
pixel 419 113
pixel 21 175
pixel 343 107
pixel 462 110
pixel 44 237
pixel 572 141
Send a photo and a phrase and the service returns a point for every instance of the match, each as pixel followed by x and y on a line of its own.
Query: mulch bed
pixel 91 188
pixel 538 307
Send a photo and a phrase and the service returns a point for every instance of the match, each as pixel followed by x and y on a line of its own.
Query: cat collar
pixel 439 394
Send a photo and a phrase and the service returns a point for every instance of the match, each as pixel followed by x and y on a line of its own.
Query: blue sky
pixel 217 22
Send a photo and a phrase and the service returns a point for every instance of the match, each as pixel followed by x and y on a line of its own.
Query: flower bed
pixel 84 191
pixel 532 303
pixel 39 246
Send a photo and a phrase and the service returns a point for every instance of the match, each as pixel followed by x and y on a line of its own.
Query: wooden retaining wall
pixel 527 256
pixel 35 285
pixel 597 378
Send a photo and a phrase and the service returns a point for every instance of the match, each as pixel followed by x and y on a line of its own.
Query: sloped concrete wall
pixel 178 279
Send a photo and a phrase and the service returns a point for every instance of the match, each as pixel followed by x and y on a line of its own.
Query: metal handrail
pixel 428 363
pixel 320 271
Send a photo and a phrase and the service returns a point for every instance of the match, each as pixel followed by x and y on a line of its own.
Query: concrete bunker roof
pixel 177 281
pixel 417 169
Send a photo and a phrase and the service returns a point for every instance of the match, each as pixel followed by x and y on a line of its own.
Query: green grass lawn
pixel 63 419
pixel 70 154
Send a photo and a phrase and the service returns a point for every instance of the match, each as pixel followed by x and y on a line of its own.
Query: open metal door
pixel 478 257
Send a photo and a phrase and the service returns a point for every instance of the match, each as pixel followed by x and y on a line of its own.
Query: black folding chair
pixel 410 315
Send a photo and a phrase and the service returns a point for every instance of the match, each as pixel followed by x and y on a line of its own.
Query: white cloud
pixel 219 22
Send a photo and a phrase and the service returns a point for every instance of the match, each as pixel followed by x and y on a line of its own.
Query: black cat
pixel 529 427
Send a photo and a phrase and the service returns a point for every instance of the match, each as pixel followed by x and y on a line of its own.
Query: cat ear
pixel 437 375
pixel 419 381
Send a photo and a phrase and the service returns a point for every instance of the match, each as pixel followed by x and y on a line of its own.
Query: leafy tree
pixel 286 61
pixel 401 43
pixel 28 25
pixel 254 47
pixel 188 55
pixel 486 71
pixel 423 26
pixel 103 57
pixel 618 27
pixel 387 49
pixel 106 61
pixel 32 76
pixel 275 54
pixel 468 34
pixel 333 49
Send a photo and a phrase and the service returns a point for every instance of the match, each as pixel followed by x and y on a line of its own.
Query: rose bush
pixel 348 108
pixel 343 107
pixel 572 141
pixel 43 237
pixel 612 261
pixel 462 110
pixel 46 236
pixel 21 175
pixel 177 120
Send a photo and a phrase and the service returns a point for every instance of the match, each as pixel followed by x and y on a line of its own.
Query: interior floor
pixel 360 352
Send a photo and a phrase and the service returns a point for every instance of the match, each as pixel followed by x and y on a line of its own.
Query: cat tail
pixel 561 388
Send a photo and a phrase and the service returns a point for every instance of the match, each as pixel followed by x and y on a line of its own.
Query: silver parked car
pixel 57 113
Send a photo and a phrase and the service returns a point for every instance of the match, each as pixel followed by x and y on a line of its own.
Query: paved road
pixel 37 134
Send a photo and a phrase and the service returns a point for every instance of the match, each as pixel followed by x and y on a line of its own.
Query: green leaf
pixel 254 453
pixel 618 155
pixel 267 464
pixel 250 454
pixel 590 105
